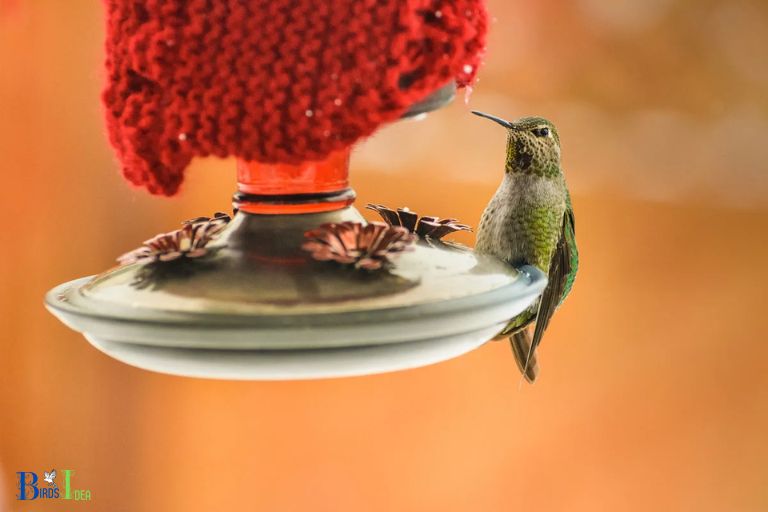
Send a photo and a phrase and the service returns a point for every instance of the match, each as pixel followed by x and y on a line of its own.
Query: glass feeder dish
pixel 258 306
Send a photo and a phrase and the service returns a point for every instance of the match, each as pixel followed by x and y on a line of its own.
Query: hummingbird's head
pixel 533 145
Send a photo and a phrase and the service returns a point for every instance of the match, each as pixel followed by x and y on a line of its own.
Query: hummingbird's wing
pixel 561 275
pixel 53 474
pixel 569 232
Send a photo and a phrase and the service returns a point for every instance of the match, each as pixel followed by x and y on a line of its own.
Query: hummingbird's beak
pixel 502 122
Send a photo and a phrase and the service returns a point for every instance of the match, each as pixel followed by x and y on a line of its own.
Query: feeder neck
pixel 308 187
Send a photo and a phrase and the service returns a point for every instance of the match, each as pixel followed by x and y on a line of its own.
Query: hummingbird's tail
pixel 526 360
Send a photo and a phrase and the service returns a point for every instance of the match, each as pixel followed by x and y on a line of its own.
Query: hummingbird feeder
pixel 296 284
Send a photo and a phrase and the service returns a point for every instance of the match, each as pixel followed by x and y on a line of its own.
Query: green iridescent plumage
pixel 530 221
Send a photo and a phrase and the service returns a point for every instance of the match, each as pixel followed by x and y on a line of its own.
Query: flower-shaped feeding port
pixel 425 227
pixel 188 242
pixel 169 256
pixel 368 247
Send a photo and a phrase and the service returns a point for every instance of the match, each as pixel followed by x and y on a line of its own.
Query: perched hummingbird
pixel 530 221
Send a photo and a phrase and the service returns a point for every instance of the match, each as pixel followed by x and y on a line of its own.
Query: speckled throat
pixel 528 159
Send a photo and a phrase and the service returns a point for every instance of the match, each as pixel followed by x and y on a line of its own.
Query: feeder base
pixel 296 364
pixel 260 308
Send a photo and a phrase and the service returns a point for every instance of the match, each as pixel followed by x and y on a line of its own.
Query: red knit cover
pixel 272 80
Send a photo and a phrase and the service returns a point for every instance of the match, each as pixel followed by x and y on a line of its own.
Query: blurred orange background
pixel 654 385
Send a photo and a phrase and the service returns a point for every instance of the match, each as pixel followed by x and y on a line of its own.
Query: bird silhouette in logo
pixel 49 478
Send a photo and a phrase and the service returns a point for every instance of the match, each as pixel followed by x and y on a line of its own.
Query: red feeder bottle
pixel 309 187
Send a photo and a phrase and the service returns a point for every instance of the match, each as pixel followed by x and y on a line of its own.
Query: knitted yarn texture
pixel 272 80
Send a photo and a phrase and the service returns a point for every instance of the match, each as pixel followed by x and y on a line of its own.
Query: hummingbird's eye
pixel 541 132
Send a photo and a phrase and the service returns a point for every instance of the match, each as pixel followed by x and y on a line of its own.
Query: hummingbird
pixel 529 221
